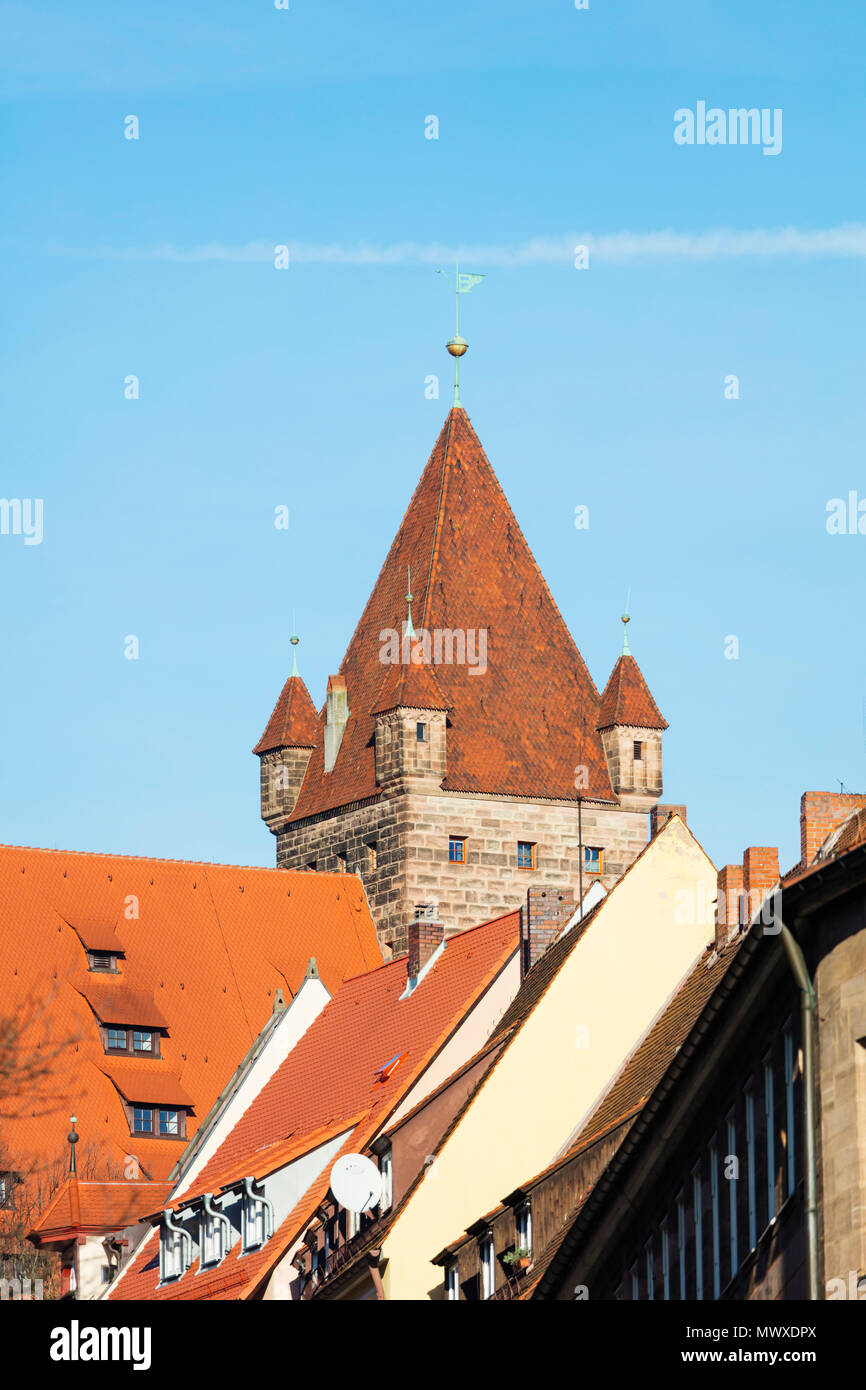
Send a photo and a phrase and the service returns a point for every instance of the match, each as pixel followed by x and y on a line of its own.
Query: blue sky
pixel 305 387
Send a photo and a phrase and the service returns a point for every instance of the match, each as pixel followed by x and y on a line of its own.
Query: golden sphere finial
pixel 457 346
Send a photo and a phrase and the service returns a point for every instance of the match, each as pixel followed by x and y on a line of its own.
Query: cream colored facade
pixel 644 938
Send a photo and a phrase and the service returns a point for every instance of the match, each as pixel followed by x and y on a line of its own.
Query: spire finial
pixel 410 631
pixel 457 345
pixel 72 1139
pixel 625 622
pixel 294 639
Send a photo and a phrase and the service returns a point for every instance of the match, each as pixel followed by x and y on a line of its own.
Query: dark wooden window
pixel 421 733
pixel 457 849
pixel 638 751
pixel 131 1042
pixel 142 1119
pixel 525 854
pixel 117 1039
pixel 142 1040
pixel 164 1122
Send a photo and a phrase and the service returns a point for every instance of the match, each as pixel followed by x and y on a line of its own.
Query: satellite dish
pixel 356 1182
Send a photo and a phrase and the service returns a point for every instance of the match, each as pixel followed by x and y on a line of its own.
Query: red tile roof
pixel 145 1082
pixel 330 1078
pixel 524 725
pixel 97 1207
pixel 626 699
pixel 293 722
pixel 206 948
pixel 410 686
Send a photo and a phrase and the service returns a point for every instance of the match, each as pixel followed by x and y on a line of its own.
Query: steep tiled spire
pixel 293 722
pixel 626 699
pixel 521 700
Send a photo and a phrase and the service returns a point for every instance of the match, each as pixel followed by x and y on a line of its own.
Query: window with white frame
pixel 524 1228
pixel 386 1170
pixel 452 1283
pixel 488 1269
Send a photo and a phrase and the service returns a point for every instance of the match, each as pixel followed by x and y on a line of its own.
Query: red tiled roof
pixel 98 1206
pixel 293 722
pixel 524 725
pixel 145 1082
pixel 412 686
pixel 330 1078
pixel 113 1002
pixel 626 699
pixel 208 948
pixel 97 935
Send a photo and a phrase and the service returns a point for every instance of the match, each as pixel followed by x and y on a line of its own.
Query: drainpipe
pixel 221 1223
pixel 177 1230
pixel 267 1207
pixel 809 1008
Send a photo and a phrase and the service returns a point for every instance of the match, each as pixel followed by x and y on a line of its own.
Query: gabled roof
pixel 521 726
pixel 626 699
pixel 96 1207
pixel 329 1081
pixel 293 721
pixel 206 947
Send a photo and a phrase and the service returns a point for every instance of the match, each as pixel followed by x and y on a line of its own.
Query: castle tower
pixel 284 749
pixel 631 730
pixel 459 756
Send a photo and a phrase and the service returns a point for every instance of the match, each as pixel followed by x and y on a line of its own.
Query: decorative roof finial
pixel 294 641
pixel 457 346
pixel 626 651
pixel 72 1139
pixel 410 631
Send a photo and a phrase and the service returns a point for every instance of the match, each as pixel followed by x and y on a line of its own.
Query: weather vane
pixel 463 283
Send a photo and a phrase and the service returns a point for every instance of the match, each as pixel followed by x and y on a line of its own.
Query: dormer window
pixel 488 1273
pixel 103 961
pixel 452 1283
pixel 257 1218
pixel 132 1042
pixel 142 1040
pixel 524 1228
pixel 116 1041
pixel 161 1121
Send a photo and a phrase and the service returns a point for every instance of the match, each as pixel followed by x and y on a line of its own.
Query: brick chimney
pixel 546 912
pixel 730 889
pixel 760 874
pixel 821 812
pixel 426 934
pixel 660 815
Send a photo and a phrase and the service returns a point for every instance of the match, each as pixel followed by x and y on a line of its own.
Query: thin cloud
pixel 617 248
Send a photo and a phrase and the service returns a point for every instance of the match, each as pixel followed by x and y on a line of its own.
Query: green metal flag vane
pixel 463 283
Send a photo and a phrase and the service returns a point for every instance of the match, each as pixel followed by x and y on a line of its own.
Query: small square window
pixel 169 1122
pixel 142 1120
pixel 592 859
pixel 117 1038
pixel 101 960
pixel 142 1042
pixel 525 854
pixel 421 733
pixel 638 751
pixel 457 849
pixel 105 1274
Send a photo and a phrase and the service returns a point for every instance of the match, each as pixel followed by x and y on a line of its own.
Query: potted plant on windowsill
pixel 517 1259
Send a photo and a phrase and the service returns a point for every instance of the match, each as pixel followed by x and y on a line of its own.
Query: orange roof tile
pixel 626 699
pixel 522 725
pixel 145 1082
pixel 410 686
pixel 330 1078
pixel 293 722
pixel 113 1002
pixel 98 1206
pixel 207 944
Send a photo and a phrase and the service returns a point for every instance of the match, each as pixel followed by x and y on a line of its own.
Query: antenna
pixel 356 1182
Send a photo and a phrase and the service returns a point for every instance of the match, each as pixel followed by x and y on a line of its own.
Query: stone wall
pixel 410 832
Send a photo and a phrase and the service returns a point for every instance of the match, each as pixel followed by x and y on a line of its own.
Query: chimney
pixel 760 874
pixel 660 815
pixel 336 717
pixel 546 913
pixel 730 890
pixel 426 934
pixel 821 812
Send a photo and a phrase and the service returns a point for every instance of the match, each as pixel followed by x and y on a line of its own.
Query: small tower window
pixel 638 751
pixel 457 849
pixel 525 854
pixel 421 733
pixel 371 851
pixel 593 859
pixel 341 863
